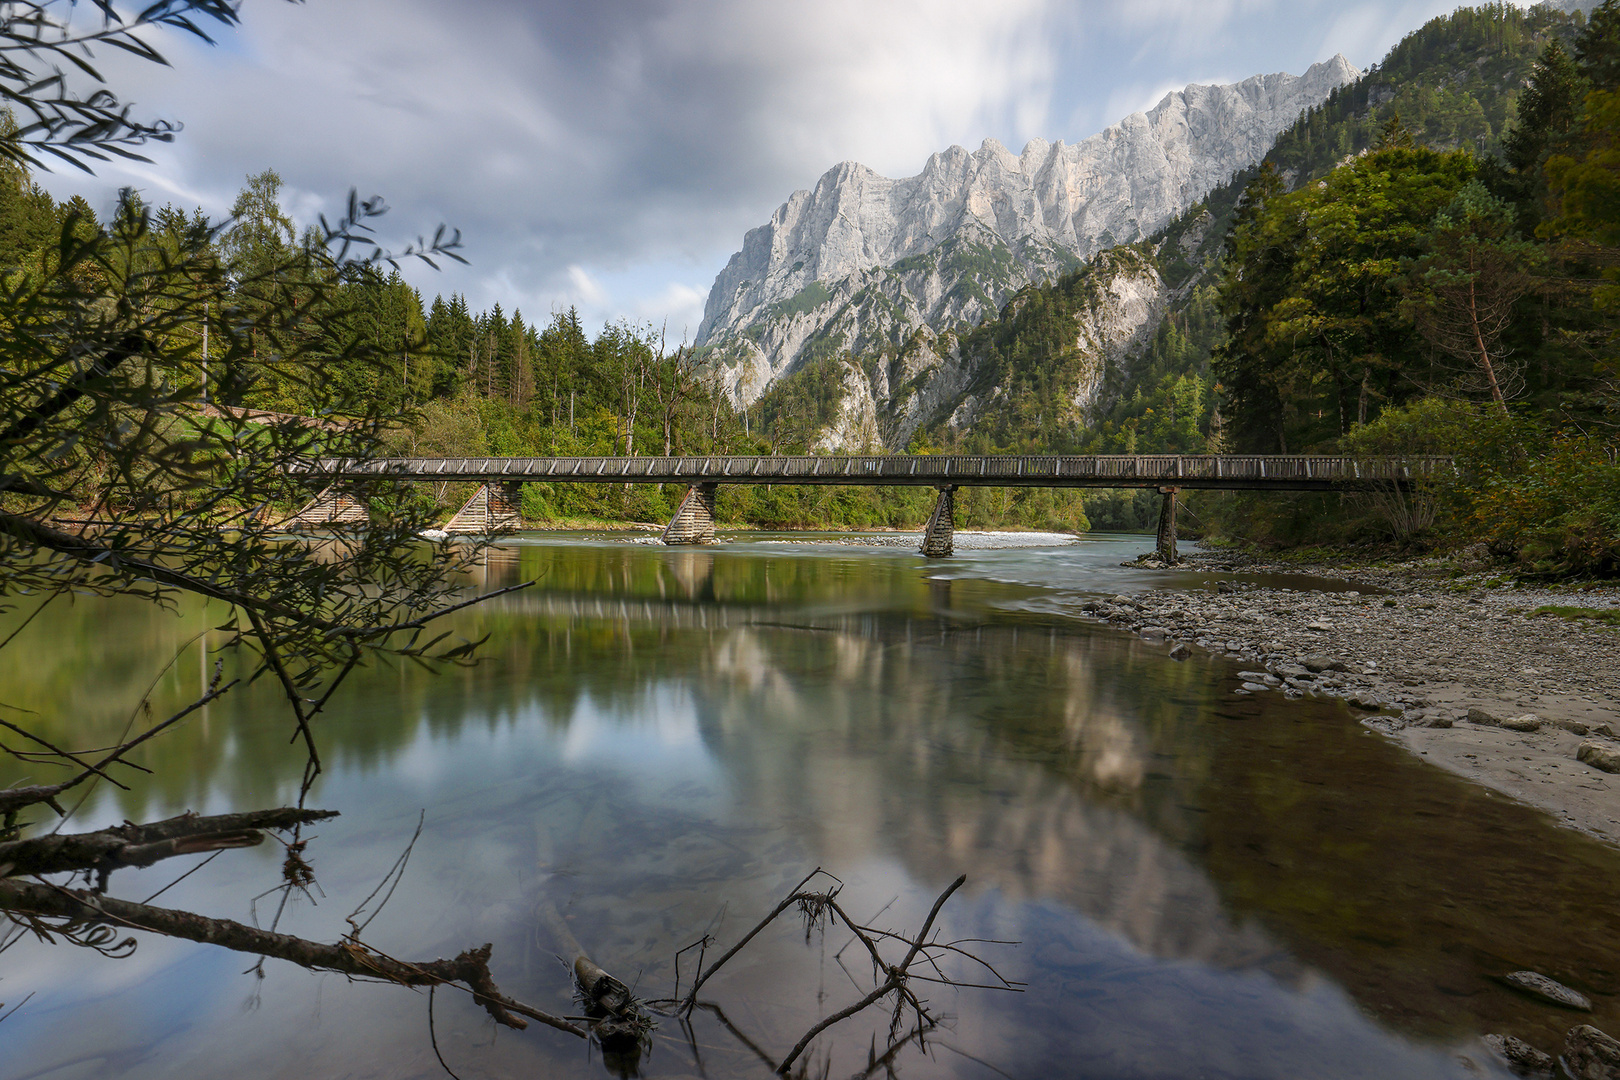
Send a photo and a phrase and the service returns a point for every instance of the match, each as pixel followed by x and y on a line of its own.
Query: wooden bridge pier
pixel 1167 524
pixel 693 522
pixel 939 537
pixel 333 506
pixel 493 508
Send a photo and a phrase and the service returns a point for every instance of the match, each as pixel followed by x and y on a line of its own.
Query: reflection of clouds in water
pixel 659 734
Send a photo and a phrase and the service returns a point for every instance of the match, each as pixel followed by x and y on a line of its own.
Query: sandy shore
pixel 1455 666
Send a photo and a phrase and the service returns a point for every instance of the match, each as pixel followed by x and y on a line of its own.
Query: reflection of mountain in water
pixel 873 709
pixel 887 746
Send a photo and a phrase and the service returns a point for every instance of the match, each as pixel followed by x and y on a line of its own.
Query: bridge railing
pixel 1220 470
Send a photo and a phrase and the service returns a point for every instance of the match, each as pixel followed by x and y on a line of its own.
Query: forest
pixel 1419 298
pixel 1425 262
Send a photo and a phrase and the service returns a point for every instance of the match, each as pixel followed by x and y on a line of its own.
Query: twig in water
pixel 397 872
pixel 434 1038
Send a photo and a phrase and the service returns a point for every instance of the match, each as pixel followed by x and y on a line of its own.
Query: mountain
pixel 1114 357
pixel 863 261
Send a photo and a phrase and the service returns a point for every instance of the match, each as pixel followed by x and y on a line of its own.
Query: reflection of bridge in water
pixel 495 505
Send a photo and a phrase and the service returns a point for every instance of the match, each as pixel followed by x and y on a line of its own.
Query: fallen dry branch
pixel 142 845
pixel 470 969
pixel 895 983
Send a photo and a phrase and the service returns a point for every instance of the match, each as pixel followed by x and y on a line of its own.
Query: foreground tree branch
pixel 16 798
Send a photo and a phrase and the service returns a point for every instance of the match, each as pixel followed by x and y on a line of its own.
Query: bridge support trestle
pixel 1167 524
pixel 693 522
pixel 939 538
pixel 494 508
pixel 332 506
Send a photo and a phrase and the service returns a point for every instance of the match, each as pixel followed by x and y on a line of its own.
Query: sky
pixel 611 154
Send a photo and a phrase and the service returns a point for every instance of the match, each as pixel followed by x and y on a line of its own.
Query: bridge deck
pixel 1229 471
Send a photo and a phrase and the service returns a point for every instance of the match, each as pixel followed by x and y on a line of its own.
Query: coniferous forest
pixel 1425 263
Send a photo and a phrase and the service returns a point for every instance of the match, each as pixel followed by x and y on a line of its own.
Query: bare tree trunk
pixel 1484 353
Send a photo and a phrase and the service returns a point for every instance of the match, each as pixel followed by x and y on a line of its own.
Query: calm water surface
pixel 661 742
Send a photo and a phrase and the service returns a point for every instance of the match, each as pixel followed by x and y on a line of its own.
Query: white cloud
pixel 581 146
pixel 678 306
pixel 584 289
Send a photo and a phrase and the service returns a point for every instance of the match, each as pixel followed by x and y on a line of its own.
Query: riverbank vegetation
pixel 1424 299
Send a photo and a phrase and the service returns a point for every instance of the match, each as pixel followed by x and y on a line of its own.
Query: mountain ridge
pixel 862 260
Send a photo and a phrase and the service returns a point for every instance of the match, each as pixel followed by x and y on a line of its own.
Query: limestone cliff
pixel 1119 302
pixel 865 261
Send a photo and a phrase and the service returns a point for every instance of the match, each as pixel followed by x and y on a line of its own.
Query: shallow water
pixel 662 741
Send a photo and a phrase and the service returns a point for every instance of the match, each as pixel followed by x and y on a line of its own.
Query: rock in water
pixel 1538 985
pixel 1527 722
pixel 1599 756
pixel 1591 1055
pixel 1180 652
pixel 1480 716
pixel 1522 1058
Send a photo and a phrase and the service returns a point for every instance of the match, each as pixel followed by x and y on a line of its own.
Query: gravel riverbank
pixel 1457 668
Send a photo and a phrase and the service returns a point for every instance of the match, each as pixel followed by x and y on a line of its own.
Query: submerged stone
pixel 1539 986
pixel 1589 1054
pixel 1521 1057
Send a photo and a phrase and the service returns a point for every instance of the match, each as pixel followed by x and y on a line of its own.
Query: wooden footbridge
pixel 494 506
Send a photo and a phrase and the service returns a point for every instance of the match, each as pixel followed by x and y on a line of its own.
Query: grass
pixel 1601 616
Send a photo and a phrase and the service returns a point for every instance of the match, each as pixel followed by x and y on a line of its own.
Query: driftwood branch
pixel 703 976
pixel 889 978
pixel 469 970
pixel 143 845
pixel 616 1017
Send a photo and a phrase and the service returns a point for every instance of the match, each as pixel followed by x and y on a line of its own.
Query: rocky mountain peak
pixel 864 260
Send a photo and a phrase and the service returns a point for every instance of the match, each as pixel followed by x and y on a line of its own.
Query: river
pixel 660 742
